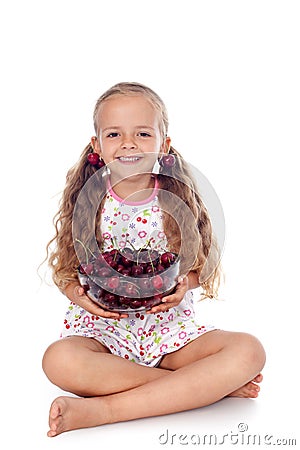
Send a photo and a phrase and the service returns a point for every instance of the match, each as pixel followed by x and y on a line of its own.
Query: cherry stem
pixel 151 262
pixel 86 249
pixel 131 245
pixel 115 245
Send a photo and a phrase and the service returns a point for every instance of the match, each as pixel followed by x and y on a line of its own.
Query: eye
pixel 144 134
pixel 113 134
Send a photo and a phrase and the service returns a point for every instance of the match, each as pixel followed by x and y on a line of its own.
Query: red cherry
pixel 127 262
pixel 131 290
pixel 120 267
pixel 104 272
pixel 160 268
pixel 108 297
pixel 167 160
pixel 126 272
pixel 93 158
pixel 149 269
pixel 135 304
pixel 157 282
pixel 137 270
pixel 113 282
pixel 167 258
pixel 101 163
pixel 86 269
pixel 124 300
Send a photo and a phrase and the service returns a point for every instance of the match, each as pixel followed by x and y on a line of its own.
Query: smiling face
pixel 129 135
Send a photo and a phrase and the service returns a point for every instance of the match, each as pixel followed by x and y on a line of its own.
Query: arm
pixel 76 294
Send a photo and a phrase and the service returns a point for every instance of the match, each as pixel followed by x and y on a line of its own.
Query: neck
pixel 136 187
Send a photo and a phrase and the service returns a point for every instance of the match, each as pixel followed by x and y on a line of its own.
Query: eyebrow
pixel 137 127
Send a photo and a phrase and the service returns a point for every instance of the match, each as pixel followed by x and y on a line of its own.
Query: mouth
pixel 129 159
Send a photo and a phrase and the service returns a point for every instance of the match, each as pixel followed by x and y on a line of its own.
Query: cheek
pixel 106 148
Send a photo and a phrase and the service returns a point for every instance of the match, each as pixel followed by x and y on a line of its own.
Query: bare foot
pixel 68 413
pixel 249 390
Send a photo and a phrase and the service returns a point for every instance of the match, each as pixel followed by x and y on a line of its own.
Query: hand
pixel 78 296
pixel 172 300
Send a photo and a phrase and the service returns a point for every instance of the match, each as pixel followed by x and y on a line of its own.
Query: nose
pixel 128 143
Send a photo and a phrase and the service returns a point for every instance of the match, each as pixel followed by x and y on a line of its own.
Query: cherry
pixel 167 258
pixel 149 269
pixel 126 261
pixel 124 300
pixel 167 160
pixel 86 269
pixel 104 272
pixel 120 267
pixel 93 159
pixel 100 292
pixel 109 297
pixel 135 304
pixel 114 253
pixel 104 275
pixel 131 289
pixel 160 268
pixel 127 253
pixel 157 282
pixel 126 272
pixel 111 262
pixel 137 270
pixel 106 255
pixel 113 282
pixel 101 163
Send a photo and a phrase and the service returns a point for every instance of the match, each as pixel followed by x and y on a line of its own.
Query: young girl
pixel 128 366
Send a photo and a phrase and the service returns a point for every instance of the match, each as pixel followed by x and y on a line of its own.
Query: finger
pixel 95 309
pixel 176 297
pixel 159 308
pixel 113 315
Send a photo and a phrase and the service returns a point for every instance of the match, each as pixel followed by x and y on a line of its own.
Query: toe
pixel 51 433
pixel 258 378
pixel 254 387
pixel 54 410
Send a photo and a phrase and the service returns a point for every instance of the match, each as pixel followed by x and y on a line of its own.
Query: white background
pixel 229 74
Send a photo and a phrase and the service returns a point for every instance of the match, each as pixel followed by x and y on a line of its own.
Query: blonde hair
pixel 177 181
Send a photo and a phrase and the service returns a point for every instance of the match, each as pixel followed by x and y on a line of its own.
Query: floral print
pixel 140 338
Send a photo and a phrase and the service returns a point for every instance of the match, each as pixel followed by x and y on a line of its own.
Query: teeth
pixel 129 158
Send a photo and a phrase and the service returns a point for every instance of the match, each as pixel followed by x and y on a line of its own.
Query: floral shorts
pixel 141 338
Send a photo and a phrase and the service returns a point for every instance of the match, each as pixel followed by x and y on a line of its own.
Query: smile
pixel 129 159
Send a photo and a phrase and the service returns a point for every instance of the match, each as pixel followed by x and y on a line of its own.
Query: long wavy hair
pixel 190 234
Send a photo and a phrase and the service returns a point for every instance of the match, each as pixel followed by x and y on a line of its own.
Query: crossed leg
pixel 215 365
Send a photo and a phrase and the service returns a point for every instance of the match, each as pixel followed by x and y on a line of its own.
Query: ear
pixel 95 145
pixel 165 147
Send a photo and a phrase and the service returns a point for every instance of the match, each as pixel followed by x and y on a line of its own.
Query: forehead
pixel 122 110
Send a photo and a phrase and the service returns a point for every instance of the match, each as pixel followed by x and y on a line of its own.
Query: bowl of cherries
pixel 129 280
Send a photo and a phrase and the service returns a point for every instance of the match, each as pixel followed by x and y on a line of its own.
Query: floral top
pixel 134 222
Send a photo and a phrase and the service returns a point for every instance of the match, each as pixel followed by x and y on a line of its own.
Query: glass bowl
pixel 129 280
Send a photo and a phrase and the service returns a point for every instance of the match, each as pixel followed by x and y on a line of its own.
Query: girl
pixel 129 366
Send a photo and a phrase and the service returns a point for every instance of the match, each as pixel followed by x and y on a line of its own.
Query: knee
pixel 57 361
pixel 251 351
